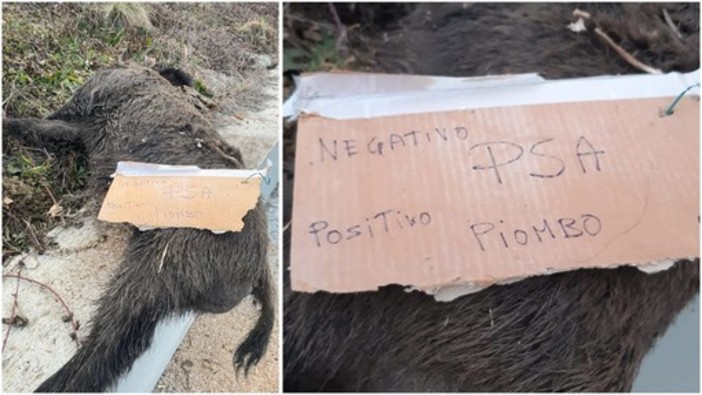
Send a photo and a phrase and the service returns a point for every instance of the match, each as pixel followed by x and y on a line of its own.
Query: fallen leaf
pixel 7 201
pixel 578 26
pixel 55 210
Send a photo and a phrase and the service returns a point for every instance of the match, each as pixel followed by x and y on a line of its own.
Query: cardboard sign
pixel 158 196
pixel 487 195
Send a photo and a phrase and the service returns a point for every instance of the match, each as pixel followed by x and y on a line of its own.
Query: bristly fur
pixel 136 115
pixel 585 330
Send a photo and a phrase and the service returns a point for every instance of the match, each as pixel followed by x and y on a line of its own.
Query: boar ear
pixel 176 77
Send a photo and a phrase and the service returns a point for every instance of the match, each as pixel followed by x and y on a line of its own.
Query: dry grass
pixel 315 40
pixel 50 49
pixel 128 15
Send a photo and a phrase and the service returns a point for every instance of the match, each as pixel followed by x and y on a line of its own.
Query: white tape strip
pixel 446 94
pixel 139 169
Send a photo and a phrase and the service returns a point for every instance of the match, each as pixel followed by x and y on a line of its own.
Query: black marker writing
pixel 386 221
pixel 495 235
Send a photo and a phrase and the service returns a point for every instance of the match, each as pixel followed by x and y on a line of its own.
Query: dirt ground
pixel 232 53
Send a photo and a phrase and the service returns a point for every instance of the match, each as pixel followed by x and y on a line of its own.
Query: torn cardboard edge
pixel 151 196
pixel 447 95
pixel 448 293
pixel 353 96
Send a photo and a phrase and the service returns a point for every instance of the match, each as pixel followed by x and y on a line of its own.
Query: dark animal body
pixel 137 115
pixel 585 330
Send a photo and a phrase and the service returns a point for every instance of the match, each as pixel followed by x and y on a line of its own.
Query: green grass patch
pixel 321 56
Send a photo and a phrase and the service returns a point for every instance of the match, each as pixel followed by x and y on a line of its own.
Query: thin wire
pixel 669 110
pixel 257 173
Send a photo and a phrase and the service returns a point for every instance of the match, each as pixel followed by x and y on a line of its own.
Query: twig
pixel 670 23
pixel 627 56
pixel 221 153
pixel 32 235
pixel 27 225
pixel 51 195
pixel 580 13
pixel 160 265
pixel 341 29
pixel 14 310
pixel 74 324
pixel 316 24
pixel 13 90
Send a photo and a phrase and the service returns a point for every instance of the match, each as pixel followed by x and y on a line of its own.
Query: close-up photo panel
pixel 491 197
